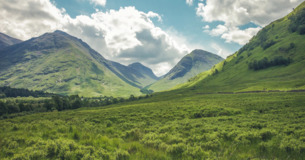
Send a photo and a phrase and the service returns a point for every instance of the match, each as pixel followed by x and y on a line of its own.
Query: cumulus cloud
pixel 125 35
pixel 240 36
pixel 99 2
pixel 206 27
pixel 219 30
pixel 189 2
pixel 235 13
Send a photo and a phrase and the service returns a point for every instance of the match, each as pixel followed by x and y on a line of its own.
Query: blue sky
pixel 156 33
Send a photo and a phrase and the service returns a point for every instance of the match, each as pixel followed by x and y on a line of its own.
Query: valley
pixel 61 99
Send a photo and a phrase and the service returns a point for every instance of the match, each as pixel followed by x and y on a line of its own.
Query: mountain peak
pixel 189 66
pixel 143 69
pixel 138 64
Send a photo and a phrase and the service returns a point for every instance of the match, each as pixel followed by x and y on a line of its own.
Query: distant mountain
pixel 274 59
pixel 134 74
pixel 189 66
pixel 6 41
pixel 60 63
pixel 143 70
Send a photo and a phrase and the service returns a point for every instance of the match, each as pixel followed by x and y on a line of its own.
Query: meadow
pixel 169 125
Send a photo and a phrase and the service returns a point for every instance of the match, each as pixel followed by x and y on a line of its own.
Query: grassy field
pixel 173 125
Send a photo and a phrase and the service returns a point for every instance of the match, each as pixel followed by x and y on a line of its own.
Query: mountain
pixel 274 59
pixel 6 41
pixel 134 74
pixel 59 63
pixel 145 75
pixel 189 66
pixel 143 70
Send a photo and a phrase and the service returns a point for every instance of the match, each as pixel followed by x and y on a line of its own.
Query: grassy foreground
pixel 167 126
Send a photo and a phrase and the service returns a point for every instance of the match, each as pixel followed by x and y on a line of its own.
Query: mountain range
pixel 60 63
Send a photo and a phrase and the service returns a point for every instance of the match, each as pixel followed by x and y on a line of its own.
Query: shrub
pixel 134 134
pixel 76 136
pixel 176 150
pixel 268 44
pixel 297 22
pixel 122 155
pixel 51 149
pixel 265 63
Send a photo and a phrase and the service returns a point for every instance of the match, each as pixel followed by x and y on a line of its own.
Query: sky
pixel 156 33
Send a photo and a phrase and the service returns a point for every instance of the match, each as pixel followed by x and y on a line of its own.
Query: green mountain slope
pixel 6 41
pixel 274 59
pixel 189 66
pixel 57 62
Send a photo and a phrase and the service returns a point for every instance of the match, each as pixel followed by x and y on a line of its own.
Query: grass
pixel 171 125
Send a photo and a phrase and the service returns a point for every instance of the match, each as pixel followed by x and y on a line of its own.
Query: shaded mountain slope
pixel 6 41
pixel 134 74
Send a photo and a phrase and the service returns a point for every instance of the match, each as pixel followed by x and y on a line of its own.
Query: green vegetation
pixel 14 107
pixel 265 63
pixel 21 92
pixel 298 22
pixel 173 125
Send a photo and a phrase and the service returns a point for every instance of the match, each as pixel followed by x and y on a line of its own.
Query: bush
pixel 268 44
pixel 265 63
pixel 176 150
pixel 301 29
pixel 297 22
pixel 122 155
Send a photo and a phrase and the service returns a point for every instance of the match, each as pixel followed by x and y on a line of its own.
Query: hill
pixel 59 63
pixel 6 41
pixel 273 60
pixel 189 66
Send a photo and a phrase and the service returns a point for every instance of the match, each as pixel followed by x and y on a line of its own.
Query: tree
pixel 132 98
pixel 3 108
pixel 58 103
pixel 13 108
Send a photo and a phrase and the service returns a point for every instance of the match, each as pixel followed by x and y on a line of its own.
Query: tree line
pixel 52 103
pixel 7 91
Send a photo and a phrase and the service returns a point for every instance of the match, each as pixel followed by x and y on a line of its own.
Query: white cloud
pixel 99 2
pixel 240 36
pixel 125 35
pixel 219 30
pixel 235 13
pixel 206 27
pixel 189 2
